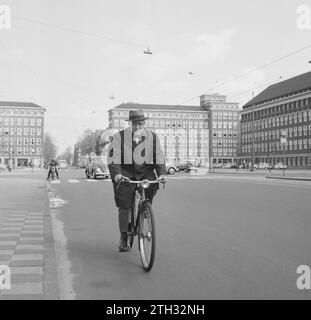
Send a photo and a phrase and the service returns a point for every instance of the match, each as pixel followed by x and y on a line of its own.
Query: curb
pixel 289 178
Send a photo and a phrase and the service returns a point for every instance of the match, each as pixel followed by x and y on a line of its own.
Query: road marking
pixel 73 181
pixel 89 180
pixel 55 182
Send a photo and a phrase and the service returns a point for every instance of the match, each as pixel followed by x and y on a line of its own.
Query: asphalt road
pixel 219 237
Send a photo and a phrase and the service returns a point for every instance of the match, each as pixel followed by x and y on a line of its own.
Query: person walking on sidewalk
pixel 134 153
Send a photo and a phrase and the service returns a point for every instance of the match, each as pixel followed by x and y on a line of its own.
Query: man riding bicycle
pixel 134 153
pixel 52 163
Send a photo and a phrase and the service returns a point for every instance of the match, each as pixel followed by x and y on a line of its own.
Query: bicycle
pixel 142 223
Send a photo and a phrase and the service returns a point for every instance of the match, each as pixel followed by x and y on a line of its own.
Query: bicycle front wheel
pixel 147 236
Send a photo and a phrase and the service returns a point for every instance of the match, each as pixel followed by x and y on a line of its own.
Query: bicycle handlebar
pixel 144 183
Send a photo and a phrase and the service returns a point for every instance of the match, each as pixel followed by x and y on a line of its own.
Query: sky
pixel 71 56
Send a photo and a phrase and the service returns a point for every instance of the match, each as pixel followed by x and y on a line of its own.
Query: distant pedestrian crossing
pixel 76 181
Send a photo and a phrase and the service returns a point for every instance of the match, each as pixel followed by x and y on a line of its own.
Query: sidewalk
pixel 290 174
pixel 26 239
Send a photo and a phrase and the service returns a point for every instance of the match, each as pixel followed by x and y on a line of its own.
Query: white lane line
pixel 55 182
pixel 89 180
pixel 73 181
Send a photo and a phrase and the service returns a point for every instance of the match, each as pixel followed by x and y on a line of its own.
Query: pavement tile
pixel 7 247
pixel 31 232
pixel 9 229
pixel 4 235
pixel 36 238
pixel 36 227
pixel 22 270
pixel 31 242
pixel 29 246
pixel 21 257
pixel 26 278
pixel 6 252
pixel 22 297
pixel 23 288
pixel 19 211
pixel 26 263
pixel 7 242
pixel 5 257
pixel 29 251
pixel 9 238
pixel 16 216
pixel 33 223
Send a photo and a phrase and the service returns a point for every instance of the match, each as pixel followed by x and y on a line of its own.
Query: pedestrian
pixel 125 162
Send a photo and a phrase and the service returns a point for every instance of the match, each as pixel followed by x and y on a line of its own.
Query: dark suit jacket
pixel 134 160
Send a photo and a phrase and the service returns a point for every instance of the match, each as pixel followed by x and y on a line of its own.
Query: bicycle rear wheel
pixel 147 236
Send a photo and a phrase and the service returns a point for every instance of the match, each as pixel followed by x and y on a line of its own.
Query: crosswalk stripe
pixel 73 181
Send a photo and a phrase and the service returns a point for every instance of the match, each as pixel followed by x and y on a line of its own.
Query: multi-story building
pixel 190 133
pixel 21 133
pixel 182 130
pixel 223 127
pixel 284 106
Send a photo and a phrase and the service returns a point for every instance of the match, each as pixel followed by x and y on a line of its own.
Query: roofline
pixel 19 104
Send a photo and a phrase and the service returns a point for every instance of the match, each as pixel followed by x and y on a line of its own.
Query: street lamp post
pixel 252 164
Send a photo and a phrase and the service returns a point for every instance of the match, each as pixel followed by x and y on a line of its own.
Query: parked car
pixel 3 167
pixel 264 165
pixel 217 165
pixel 97 170
pixel 63 164
pixel 227 165
pixel 184 166
pixel 234 166
pixel 171 168
pixel 280 165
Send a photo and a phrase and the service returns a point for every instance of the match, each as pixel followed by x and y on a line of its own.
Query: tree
pixel 49 147
pixel 67 155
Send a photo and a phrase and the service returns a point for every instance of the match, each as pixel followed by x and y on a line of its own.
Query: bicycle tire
pixel 130 235
pixel 147 237
pixel 132 223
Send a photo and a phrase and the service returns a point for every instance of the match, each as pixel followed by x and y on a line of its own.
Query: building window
pixel 26 141
pixel 38 151
pixel 39 122
pixel 25 151
pixel 19 151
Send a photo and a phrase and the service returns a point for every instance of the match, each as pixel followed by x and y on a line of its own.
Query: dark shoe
pixel 123 247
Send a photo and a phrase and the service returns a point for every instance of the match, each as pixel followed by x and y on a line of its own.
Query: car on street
pixel 227 165
pixel 217 165
pixel 63 164
pixel 171 168
pixel 96 170
pixel 3 167
pixel 262 165
pixel 280 165
pixel 234 166
pixel 184 166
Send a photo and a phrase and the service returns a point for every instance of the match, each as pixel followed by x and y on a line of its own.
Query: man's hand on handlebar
pixel 162 179
pixel 118 178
